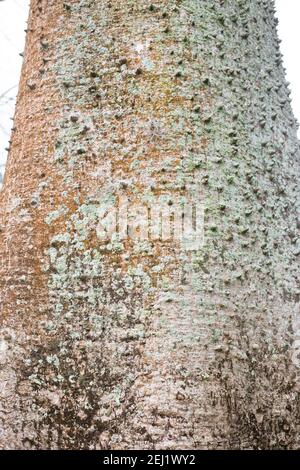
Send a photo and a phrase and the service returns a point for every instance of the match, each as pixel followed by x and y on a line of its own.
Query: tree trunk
pixel 145 344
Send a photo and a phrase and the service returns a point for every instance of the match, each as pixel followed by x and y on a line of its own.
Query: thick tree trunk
pixel 149 345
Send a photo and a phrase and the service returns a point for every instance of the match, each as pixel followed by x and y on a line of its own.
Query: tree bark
pixel 128 345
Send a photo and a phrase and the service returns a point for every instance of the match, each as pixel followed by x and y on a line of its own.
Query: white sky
pixel 13 16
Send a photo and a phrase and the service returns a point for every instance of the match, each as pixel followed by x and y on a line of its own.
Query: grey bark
pixel 151 347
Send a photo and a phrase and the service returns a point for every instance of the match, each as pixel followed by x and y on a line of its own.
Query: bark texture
pixel 128 345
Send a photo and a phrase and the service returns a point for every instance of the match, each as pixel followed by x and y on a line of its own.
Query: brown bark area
pixel 150 347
